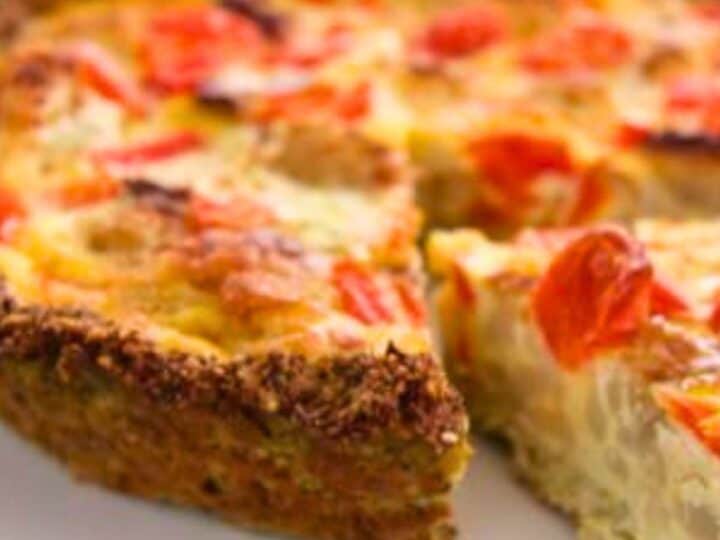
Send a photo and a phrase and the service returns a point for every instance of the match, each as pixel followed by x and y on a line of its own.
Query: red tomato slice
pixel 689 93
pixel 103 73
pixel 631 135
pixel 512 162
pixel 693 102
pixel 461 31
pixel 595 295
pixel 463 287
pixel 592 194
pixel 696 412
pixel 360 295
pixel 709 11
pixel 356 103
pixel 715 317
pixel 411 299
pixel 12 210
pixel 86 192
pixel 147 152
pixel 589 44
pixel 665 299
pixel 185 46
pixel 346 105
pixel 696 97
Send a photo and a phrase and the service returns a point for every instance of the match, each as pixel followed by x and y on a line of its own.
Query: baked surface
pixel 569 113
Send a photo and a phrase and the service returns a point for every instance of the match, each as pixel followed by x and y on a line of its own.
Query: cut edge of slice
pixel 619 442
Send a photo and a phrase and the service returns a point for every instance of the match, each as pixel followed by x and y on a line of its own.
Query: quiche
pixel 594 352
pixel 212 292
pixel 190 313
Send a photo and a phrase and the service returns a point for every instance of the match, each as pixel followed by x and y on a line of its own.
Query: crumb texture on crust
pixel 345 397
pixel 256 439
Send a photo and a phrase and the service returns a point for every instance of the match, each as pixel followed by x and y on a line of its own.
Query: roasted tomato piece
pixel 595 295
pixel 165 148
pixel 589 44
pixel 689 93
pixel 237 213
pixel 307 51
pixel 592 194
pixel 86 192
pixel 247 291
pixel 12 210
pixel 697 410
pixel 185 46
pixel 102 72
pixel 715 316
pixel 691 107
pixel 411 299
pixel 694 99
pixel 630 135
pixel 461 31
pixel 463 286
pixel 512 162
pixel 319 100
pixel 211 255
pixel 250 269
pixel 666 299
pixel 710 11
pixel 360 294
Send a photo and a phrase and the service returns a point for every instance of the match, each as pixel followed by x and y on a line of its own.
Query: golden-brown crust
pixel 349 447
pixel 344 397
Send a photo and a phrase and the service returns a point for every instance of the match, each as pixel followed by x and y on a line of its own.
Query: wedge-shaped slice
pixel 188 317
pixel 595 353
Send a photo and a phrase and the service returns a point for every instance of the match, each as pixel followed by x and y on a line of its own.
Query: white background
pixel 38 501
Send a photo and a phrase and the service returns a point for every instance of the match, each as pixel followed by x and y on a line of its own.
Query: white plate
pixel 38 501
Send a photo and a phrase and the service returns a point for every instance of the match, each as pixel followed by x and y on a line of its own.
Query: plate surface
pixel 38 501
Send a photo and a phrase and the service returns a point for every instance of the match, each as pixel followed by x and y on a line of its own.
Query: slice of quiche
pixel 595 352
pixel 190 315
pixel 564 113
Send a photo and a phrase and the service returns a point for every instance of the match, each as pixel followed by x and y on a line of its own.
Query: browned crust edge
pixel 342 398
